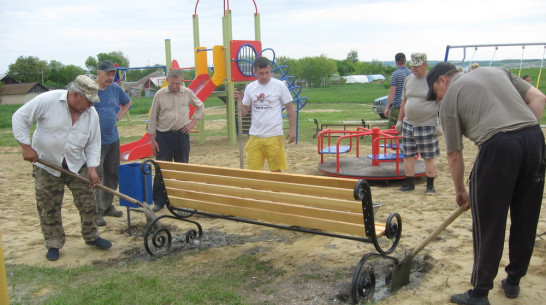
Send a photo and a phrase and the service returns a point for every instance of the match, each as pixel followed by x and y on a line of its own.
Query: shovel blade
pixel 400 274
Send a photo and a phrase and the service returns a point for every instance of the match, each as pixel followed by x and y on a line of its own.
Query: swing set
pixel 496 46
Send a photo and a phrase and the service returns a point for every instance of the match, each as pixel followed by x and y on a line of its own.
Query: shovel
pixel 400 274
pixel 150 216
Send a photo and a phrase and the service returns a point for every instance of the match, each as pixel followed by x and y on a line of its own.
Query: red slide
pixel 136 150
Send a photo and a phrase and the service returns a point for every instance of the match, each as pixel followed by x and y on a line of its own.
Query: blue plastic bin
pixel 131 183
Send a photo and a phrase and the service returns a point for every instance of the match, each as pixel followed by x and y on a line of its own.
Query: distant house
pixel 20 93
pixel 6 79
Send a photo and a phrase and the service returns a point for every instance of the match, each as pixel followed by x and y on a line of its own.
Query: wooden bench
pixel 328 206
pixel 338 126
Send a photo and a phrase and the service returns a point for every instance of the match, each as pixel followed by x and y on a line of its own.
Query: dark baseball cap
pixel 400 57
pixel 439 69
pixel 106 66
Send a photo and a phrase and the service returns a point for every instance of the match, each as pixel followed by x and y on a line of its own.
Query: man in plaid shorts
pixel 417 121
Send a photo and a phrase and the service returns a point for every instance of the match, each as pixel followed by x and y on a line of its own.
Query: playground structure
pixel 384 163
pixel 496 48
pixel 233 62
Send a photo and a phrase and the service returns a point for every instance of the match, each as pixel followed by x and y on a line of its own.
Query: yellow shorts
pixel 260 149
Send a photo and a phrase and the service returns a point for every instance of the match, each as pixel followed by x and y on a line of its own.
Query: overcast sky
pixel 71 31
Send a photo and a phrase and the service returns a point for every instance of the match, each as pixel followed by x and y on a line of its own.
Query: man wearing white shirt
pixel 265 97
pixel 67 135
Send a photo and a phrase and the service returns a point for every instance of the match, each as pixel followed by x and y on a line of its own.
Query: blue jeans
pixel 173 146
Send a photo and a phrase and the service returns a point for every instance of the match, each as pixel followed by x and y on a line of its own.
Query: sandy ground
pixel 450 254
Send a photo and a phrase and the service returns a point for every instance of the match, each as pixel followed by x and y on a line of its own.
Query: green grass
pixel 165 281
pixel 351 93
pixel 6 111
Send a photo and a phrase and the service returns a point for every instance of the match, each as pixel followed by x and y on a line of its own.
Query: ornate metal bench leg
pixel 363 284
pixel 160 239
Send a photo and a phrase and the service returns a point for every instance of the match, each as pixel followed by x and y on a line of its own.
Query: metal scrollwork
pixel 360 189
pixel 161 238
pixel 363 284
pixel 393 230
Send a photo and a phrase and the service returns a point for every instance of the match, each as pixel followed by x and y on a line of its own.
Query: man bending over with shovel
pixel 500 112
pixel 67 134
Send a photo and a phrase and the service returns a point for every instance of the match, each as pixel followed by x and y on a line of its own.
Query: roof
pixel 24 88
pixel 7 79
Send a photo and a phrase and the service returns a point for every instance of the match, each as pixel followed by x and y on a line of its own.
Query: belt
pixel 173 130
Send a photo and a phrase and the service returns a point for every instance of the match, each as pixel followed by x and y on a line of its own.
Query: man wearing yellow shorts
pixel 266 96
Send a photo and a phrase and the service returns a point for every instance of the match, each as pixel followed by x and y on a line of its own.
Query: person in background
pixel 111 95
pixel 394 99
pixel 265 98
pixel 418 121
pixel 527 78
pixel 500 113
pixel 473 67
pixel 170 124
pixel 67 135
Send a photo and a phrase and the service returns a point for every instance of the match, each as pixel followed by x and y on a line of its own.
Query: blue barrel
pixel 135 184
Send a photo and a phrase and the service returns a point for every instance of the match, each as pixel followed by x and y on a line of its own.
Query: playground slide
pixel 136 150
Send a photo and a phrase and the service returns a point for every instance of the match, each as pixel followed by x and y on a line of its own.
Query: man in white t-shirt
pixel 266 96
pixel 417 121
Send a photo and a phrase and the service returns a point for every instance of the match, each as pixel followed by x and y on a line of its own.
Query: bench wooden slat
pixel 315 201
pixel 269 206
pixel 259 175
pixel 274 217
pixel 260 184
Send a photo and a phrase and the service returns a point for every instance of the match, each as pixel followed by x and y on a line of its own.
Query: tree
pixel 315 69
pixel 29 69
pixel 345 67
pixel 373 67
pixel 116 57
pixel 62 75
pixel 291 64
pixel 352 56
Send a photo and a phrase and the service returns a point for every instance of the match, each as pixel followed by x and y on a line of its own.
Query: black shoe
pixel 100 221
pixel 52 254
pixel 100 243
pixel 510 291
pixel 406 188
pixel 467 299
pixel 157 208
pixel 111 211
pixel 430 190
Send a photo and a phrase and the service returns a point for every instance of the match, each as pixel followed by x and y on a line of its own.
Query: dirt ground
pixel 444 266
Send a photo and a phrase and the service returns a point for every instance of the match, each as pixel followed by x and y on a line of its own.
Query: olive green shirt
pixel 482 103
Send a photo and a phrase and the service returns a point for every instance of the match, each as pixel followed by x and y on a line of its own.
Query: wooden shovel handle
pixel 149 213
pixel 438 230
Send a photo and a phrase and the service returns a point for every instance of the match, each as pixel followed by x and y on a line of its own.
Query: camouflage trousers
pixel 49 199
pixel 393 116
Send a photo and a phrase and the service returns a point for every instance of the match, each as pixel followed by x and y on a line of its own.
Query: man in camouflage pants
pixel 67 134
